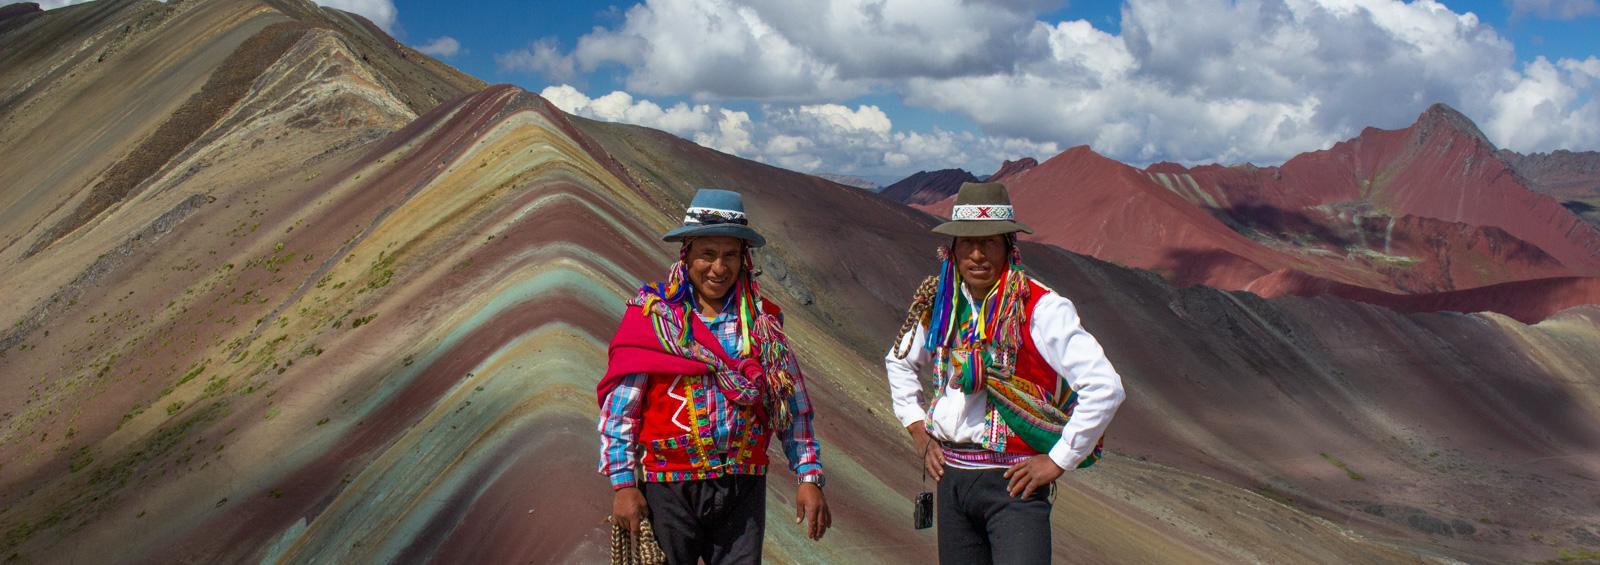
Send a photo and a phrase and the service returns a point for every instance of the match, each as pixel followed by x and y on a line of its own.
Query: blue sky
pixel 884 88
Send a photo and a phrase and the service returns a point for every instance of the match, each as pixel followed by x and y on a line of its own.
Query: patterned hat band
pixel 713 216
pixel 982 212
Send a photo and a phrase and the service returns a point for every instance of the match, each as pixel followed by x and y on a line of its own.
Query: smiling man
pixel 699 378
pixel 1021 392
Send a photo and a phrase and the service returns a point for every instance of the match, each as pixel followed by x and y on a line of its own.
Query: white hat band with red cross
pixel 982 212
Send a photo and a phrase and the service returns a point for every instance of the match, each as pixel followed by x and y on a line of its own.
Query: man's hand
pixel 1031 474
pixel 932 455
pixel 628 508
pixel 811 506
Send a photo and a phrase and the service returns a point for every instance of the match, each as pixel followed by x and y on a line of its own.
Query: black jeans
pixel 979 522
pixel 721 520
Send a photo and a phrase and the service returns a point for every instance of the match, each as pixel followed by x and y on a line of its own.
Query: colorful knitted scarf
pixel 763 369
pixel 976 352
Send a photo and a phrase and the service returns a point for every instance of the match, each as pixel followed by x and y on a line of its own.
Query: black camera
pixel 922 514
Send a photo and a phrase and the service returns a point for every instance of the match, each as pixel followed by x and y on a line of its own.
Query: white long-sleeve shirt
pixel 1065 346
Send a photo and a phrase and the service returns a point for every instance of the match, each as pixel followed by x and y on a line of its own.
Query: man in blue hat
pixel 1021 392
pixel 699 377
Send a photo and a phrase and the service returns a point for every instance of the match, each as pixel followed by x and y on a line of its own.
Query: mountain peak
pixel 18 9
pixel 926 187
pixel 1011 168
pixel 1441 117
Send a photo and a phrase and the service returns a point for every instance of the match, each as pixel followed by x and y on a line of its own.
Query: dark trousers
pixel 979 522
pixel 719 520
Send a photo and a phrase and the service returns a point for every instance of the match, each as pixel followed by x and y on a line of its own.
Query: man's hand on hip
pixel 1032 474
pixel 812 508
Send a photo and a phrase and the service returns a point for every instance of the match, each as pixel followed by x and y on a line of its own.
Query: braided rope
pixel 921 301
pixel 625 552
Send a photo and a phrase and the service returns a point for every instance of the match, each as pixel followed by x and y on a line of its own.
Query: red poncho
pixel 636 349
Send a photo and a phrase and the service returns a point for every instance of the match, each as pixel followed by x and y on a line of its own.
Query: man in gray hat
pixel 699 377
pixel 1021 392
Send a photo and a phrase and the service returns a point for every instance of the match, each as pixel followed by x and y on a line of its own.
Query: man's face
pixel 714 264
pixel 980 261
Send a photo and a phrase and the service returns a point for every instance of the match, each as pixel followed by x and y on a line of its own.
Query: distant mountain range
pixel 847 180
pixel 1430 208
pixel 1568 176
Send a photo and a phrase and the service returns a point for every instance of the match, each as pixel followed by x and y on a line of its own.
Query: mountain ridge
pixel 1356 214
pixel 925 187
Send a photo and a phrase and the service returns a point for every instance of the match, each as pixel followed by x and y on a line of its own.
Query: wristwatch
pixel 814 478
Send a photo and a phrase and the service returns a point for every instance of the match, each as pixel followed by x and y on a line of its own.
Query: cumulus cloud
pixel 1555 9
pixel 710 49
pixel 541 57
pixel 1543 111
pixel 780 50
pixel 444 47
pixel 681 119
pixel 1198 81
pixel 1201 80
pixel 829 138
pixel 1185 80
pixel 381 12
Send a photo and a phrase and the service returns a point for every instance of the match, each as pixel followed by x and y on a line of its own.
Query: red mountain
pixel 1421 210
pixel 1088 203
pixel 926 187
pixel 1440 167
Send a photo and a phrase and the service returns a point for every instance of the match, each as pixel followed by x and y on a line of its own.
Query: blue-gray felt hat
pixel 716 212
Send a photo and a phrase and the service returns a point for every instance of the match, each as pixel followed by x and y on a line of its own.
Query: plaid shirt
pixel 620 417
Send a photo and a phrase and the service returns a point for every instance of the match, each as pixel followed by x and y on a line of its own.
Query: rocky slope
pixel 1572 177
pixel 1011 169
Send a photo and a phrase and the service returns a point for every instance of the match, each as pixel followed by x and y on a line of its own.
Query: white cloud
pixel 1208 80
pixel 541 57
pixel 444 47
pixel 863 118
pixel 1555 9
pixel 710 49
pixel 1585 70
pixel 780 50
pixel 1542 111
pixel 783 144
pixel 889 39
pixel 1185 80
pixel 830 138
pixel 732 134
pixel 681 119
pixel 381 12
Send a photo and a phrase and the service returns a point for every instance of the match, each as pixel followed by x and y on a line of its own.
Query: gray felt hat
pixel 716 212
pixel 982 209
